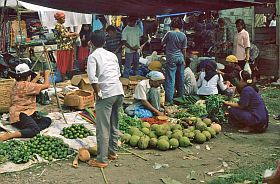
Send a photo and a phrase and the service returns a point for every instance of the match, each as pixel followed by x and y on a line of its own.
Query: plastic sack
pixel 247 68
pixel 78 42
pixel 143 113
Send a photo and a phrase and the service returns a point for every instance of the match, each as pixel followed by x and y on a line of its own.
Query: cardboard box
pixel 79 99
pixel 82 82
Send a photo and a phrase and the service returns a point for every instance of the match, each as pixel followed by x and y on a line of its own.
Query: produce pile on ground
pixel 76 131
pixel 47 147
pixel 126 121
pixel 171 136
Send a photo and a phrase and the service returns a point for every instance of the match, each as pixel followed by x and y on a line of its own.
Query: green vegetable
pixel 125 122
pixel 215 107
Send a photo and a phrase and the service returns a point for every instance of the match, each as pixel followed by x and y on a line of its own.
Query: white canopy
pixel 46 15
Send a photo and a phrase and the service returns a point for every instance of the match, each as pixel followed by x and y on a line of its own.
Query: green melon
pixel 174 143
pixel 200 138
pixel 184 142
pixel 125 138
pixel 134 140
pixel 163 145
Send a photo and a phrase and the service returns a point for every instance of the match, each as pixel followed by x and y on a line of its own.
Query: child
pixel 190 84
pixel 23 105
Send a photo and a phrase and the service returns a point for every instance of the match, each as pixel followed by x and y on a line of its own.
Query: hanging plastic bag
pixel 78 42
pixel 247 67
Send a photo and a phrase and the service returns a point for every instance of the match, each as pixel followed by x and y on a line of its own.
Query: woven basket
pixel 5 94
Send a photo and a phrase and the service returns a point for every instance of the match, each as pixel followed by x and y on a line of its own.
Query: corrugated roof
pixel 140 7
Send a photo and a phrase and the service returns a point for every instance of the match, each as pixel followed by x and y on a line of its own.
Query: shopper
pixel 114 43
pixel 190 84
pixel 147 95
pixel 175 43
pixel 241 44
pixel 131 39
pixel 232 69
pixel 104 73
pixel 65 40
pixel 222 38
pixel 23 105
pixel 84 48
pixel 209 81
pixel 250 113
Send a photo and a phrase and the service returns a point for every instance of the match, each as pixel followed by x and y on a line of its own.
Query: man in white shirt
pixel 131 39
pixel 147 94
pixel 104 72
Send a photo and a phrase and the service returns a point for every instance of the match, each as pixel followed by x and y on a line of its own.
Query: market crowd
pixel 100 55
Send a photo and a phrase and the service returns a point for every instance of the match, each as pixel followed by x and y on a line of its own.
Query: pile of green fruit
pixel 20 152
pixel 76 131
pixel 15 151
pixel 48 147
pixel 169 136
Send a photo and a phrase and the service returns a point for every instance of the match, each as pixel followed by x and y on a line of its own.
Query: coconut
pixel 84 155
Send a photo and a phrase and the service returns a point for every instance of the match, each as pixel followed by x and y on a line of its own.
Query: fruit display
pixel 76 131
pixel 170 136
pixel 46 147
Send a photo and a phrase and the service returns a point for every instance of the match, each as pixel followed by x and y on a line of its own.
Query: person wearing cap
pixel 232 69
pixel 131 40
pixel 23 104
pixel 104 76
pixel 147 94
pixel 65 41
pixel 190 84
pixel 249 114
pixel 209 81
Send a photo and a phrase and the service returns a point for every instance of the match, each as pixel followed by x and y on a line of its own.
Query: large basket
pixel 6 86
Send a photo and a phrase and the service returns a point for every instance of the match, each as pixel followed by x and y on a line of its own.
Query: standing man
pixel 104 72
pixel 113 43
pixel 131 39
pixel 175 43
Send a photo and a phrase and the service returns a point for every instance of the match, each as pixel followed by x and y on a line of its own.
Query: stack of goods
pixel 46 147
pixel 171 136
pixel 76 131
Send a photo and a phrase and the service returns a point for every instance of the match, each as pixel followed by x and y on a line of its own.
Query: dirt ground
pixel 234 148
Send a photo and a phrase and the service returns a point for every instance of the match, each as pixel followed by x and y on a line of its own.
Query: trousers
pixel 131 59
pixel 107 126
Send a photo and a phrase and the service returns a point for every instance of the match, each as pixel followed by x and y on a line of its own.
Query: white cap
pixel 22 68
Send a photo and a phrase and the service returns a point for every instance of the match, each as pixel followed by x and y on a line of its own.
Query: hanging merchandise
pixel 96 23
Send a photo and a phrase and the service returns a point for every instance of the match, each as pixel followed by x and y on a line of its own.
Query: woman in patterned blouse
pixel 65 40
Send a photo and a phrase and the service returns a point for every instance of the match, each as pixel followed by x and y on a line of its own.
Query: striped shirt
pixel 112 43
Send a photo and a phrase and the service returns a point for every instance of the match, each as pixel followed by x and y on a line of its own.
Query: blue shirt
pixel 251 101
pixel 175 41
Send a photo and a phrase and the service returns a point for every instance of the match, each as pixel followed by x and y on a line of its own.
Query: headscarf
pixel 59 15
pixel 155 76
pixel 210 70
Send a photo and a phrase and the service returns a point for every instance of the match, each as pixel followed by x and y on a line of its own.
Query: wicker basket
pixel 6 86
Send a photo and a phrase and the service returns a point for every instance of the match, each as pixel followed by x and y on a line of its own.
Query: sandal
pixel 113 157
pixel 95 163
pixel 277 117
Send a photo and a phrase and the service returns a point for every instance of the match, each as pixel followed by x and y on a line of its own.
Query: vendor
pixel 23 105
pixel 209 81
pixel 147 95
pixel 65 40
pixel 84 48
pixel 250 113
pixel 190 84
pixel 232 69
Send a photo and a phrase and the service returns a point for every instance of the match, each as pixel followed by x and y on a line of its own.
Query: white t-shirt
pixel 241 41
pixel 142 90
pixel 103 68
pixel 132 36
pixel 210 87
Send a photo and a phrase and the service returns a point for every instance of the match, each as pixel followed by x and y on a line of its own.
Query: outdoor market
pixel 140 92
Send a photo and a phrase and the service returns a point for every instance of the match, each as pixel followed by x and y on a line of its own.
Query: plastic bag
pixel 247 68
pixel 78 42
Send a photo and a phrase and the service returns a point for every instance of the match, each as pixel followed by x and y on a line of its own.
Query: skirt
pixel 82 57
pixel 65 60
